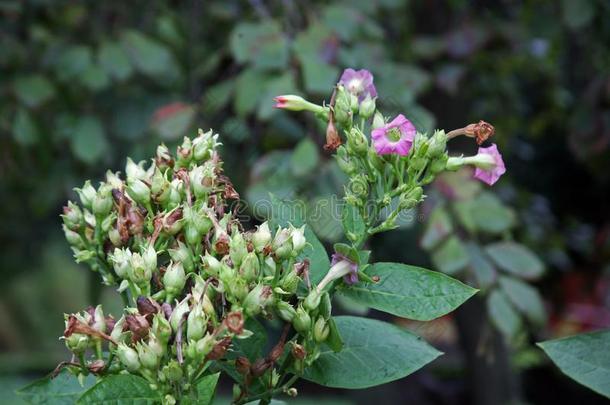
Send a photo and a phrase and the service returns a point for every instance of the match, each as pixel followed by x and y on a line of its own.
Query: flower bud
pixel 128 356
pixel 176 188
pixel 163 158
pixel 183 255
pixel 285 311
pixel 411 199
pixel 114 180
pixel 261 237
pixel 73 238
pixel 301 321
pixel 282 243
pixel 250 267
pixel 298 239
pixel 367 107
pixel 258 299
pixel 211 265
pixel 439 164
pixel 172 371
pixel 357 144
pixel 238 248
pixel 86 194
pixel 117 330
pixel 345 163
pixel 182 308
pixel 202 179
pixel 72 216
pixel 77 343
pixel 159 186
pixel 140 273
pixel 296 103
pixel 321 330
pixel 120 260
pixel 378 121
pixel 174 280
pixel 325 307
pixel 202 221
pixel 147 357
pixel 173 222
pixel 196 323
pixel 204 145
pixel 290 281
pixel 150 258
pixel 205 345
pixel 102 202
pixel 184 153
pixel 312 301
pixel 134 171
pixel 98 321
pixel 437 144
pixel 343 106
pixel 139 192
pixel 192 235
pixel 161 327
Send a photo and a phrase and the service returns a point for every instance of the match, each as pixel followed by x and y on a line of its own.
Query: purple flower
pixel 358 83
pixel 490 171
pixel 352 276
pixel 394 137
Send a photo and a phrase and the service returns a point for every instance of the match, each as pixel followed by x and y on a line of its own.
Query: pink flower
pixel 358 83
pixel 490 165
pixel 394 137
pixel 352 276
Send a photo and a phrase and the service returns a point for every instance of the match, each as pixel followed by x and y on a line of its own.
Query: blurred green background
pixel 84 84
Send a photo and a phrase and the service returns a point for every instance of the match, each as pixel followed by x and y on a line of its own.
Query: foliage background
pixel 84 84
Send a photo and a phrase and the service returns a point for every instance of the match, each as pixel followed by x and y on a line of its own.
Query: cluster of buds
pixel 190 276
pixel 389 161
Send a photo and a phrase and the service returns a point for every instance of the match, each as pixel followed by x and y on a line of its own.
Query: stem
pixel 270 393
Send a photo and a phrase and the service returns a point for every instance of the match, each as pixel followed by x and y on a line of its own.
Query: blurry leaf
pixel 63 389
pixel 451 256
pixel 304 158
pixel 262 44
pixel 25 130
pixel 503 314
pixel 410 292
pixel 148 55
pixel 235 129
pixel 464 213
pixel 120 389
pixel 324 217
pixel 353 224
pixel 577 14
pixel 373 353
pixel 490 215
pixel 516 259
pixel 173 120
pixel 427 47
pixel 483 270
pixel 95 78
pixel 248 89
pixel 34 90
pixel 113 59
pixel 217 96
pixel 88 141
pixel 206 388
pixel 525 298
pixel 131 117
pixel 73 62
pixel 459 184
pixel 319 77
pixel 585 358
pixel 316 48
pixel 438 228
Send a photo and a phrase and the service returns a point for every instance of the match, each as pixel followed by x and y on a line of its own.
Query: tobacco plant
pixel 203 296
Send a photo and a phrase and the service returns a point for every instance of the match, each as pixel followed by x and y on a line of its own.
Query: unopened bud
pixel 378 121
pixel 321 330
pixel 211 265
pixel 161 327
pixel 238 248
pixel 139 192
pixel 367 107
pixel 258 299
pixel 261 237
pixel 250 267
pixel 312 301
pixel 178 314
pixel 183 255
pixel 86 194
pixel 174 280
pixel 196 324
pixel 301 321
pixel 285 311
pixel 298 239
pixel 128 356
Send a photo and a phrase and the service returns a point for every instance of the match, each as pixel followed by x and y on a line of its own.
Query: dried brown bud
pixel 222 245
pixel 235 322
pixel 481 131
pixel 97 366
pixel 219 349
pixel 302 268
pixel 333 140
pixel 298 351
pixel 147 306
pixel 242 365
pixel 76 326
pixel 138 325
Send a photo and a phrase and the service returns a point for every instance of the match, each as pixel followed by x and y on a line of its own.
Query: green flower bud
pixel 192 235
pixel 117 333
pixel 290 282
pixel 174 280
pixel 147 357
pixel 120 260
pixel 102 202
pixel 77 343
pixel 86 194
pixel 250 267
pixel 182 308
pixel 238 248
pixel 354 105
pixel 325 307
pixel 73 238
pixel 298 239
pixel 301 321
pixel 378 121
pixel 269 266
pixel 202 179
pixel 411 199
pixel 261 237
pixel 258 299
pixel 205 345
pixel 184 153
pixel 149 255
pixel 286 311
pixel 114 180
pixel 237 289
pixel 128 356
pixel 211 265
pixel 163 158
pixel 139 192
pixel 196 323
pixel 140 273
pixel 321 330
pixel 135 171
pixel 282 243
pixel 204 145
pixel 367 107
pixel 108 222
pixel 161 327
pixel 345 163
pixel 176 189
pixel 439 164
pixel 312 301
pixel 183 255
pixel 357 143
pixel 172 371
pixel 72 216
pixel 202 221
pixel 343 108
pixel 437 144
pixel 98 321
pixel 115 237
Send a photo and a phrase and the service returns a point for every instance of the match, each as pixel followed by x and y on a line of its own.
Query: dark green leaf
pixel 334 340
pixel 73 62
pixel 94 78
pixel 25 130
pixel 503 314
pixel 206 387
pixel 451 256
pixel 172 121
pixel 374 353
pixel 323 216
pixel 121 389
pixel 409 291
pixel 353 224
pixel 262 44
pixel 248 89
pixel 585 358
pixel 305 158
pixel 148 55
pixel 525 298
pixel 88 141
pixel 251 347
pixel 516 259
pixel 63 389
pixel 113 59
pixel 34 90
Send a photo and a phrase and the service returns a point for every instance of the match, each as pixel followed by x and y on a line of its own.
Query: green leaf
pixel 63 389
pixel 323 216
pixel 483 270
pixel 451 256
pixel 490 215
pixel 584 357
pixel 115 62
pixel 438 228
pixel 334 340
pixel 173 120
pixel 577 14
pixel 262 44
pixel 374 353
pixel 121 389
pixel 409 292
pixel 516 259
pixel 148 55
pixel 88 141
pixel 95 78
pixel 25 130
pixel 353 224
pixel 305 158
pixel 206 388
pixel 34 90
pixel 503 314
pixel 249 86
pixel 253 346
pixel 525 298
pixel 73 62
